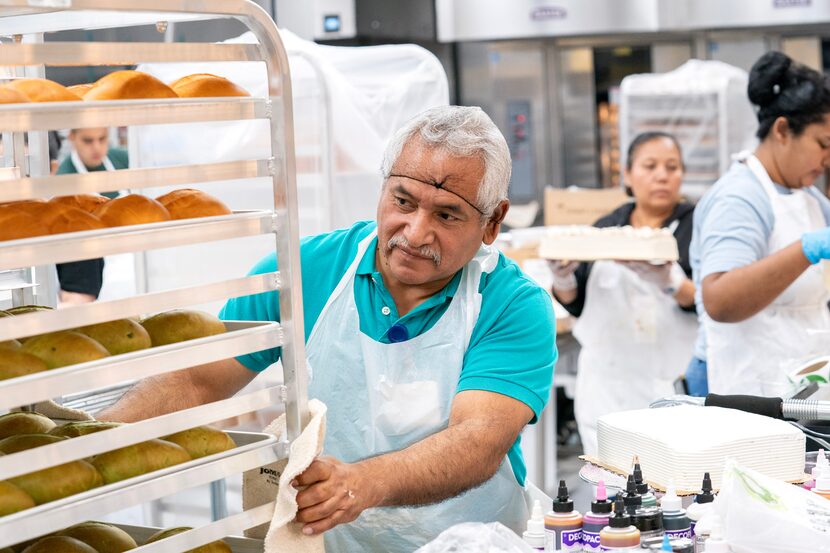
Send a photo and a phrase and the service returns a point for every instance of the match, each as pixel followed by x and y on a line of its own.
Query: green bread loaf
pixel 12 424
pixel 138 459
pixel 202 441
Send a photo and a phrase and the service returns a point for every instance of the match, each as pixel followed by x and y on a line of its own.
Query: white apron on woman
pixel 635 342
pixel 753 356
pixel 385 397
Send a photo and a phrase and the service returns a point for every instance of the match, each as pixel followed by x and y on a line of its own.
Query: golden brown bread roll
pixel 73 219
pixel 43 90
pixel 133 209
pixel 80 89
pixel 128 85
pixel 87 202
pixel 12 96
pixel 187 203
pixel 16 224
pixel 35 208
pixel 205 85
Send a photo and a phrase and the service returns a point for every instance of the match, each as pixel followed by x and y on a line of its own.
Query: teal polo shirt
pixel 512 349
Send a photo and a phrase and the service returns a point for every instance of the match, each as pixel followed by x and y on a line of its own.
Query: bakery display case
pixel 25 261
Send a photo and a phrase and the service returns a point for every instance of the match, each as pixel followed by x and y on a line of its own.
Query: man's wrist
pixel 373 487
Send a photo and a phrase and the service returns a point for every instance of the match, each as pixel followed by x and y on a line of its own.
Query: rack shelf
pixel 119 53
pixel 253 450
pixel 72 246
pixel 241 338
pixel 112 113
pixel 134 179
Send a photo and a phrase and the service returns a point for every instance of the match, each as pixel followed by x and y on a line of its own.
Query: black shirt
pixel 620 217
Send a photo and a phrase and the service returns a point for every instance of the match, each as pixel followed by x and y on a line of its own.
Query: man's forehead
pixel 436 165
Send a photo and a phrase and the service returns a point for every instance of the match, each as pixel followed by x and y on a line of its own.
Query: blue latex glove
pixel 816 245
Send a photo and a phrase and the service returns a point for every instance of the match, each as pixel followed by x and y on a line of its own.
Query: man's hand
pixel 335 493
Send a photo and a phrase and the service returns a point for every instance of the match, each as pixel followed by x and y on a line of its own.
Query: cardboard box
pixel 581 206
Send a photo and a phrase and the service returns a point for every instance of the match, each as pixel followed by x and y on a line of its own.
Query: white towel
pixel 52 410
pixel 271 482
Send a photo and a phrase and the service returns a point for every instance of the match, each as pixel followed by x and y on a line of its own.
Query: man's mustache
pixel 424 251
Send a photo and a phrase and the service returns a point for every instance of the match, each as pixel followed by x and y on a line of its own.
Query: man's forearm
pixel 153 397
pixel 436 468
pixel 179 390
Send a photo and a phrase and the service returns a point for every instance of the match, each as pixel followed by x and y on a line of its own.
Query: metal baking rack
pixel 26 21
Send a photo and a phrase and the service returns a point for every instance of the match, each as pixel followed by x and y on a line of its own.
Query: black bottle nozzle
pixel 563 503
pixel 706 495
pixel 631 498
pixel 620 518
pixel 642 486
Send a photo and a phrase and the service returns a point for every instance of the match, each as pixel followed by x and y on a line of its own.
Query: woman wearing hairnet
pixel 636 320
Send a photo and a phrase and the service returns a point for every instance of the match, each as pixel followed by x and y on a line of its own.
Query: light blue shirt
pixel 512 349
pixel 732 226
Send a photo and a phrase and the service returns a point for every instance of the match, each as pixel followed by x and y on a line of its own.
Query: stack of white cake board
pixel 682 443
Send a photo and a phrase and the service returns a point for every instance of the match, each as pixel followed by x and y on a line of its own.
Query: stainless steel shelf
pixel 112 113
pixel 29 19
pixel 254 450
pixel 82 447
pixel 41 322
pixel 73 246
pixel 123 53
pixel 133 179
pixel 241 338
pixel 223 529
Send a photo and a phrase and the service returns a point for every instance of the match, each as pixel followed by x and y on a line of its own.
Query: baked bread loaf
pixel 80 89
pixel 87 202
pixel 35 208
pixel 16 224
pixel 128 85
pixel 205 85
pixel 42 90
pixel 133 209
pixel 73 219
pixel 188 203
pixel 12 96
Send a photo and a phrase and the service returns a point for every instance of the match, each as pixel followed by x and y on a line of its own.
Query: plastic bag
pixel 477 537
pixel 764 515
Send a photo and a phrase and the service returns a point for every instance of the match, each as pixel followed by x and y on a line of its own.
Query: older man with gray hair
pixel 431 350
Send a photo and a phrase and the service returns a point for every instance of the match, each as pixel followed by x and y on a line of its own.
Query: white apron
pixel 635 342
pixel 81 168
pixel 753 356
pixel 385 397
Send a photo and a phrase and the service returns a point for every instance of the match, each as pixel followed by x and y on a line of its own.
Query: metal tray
pixel 133 179
pixel 48 116
pixel 41 322
pixel 253 450
pixel 242 337
pixel 73 246
pixel 237 544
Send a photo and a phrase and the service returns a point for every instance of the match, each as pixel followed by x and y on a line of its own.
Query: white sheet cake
pixel 683 442
pixel 587 243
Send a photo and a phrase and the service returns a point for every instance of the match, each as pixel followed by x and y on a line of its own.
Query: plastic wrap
pixel 477 537
pixel 764 515
pixel 703 103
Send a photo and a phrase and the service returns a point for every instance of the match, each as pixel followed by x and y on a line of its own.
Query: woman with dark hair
pixel 636 320
pixel 759 235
